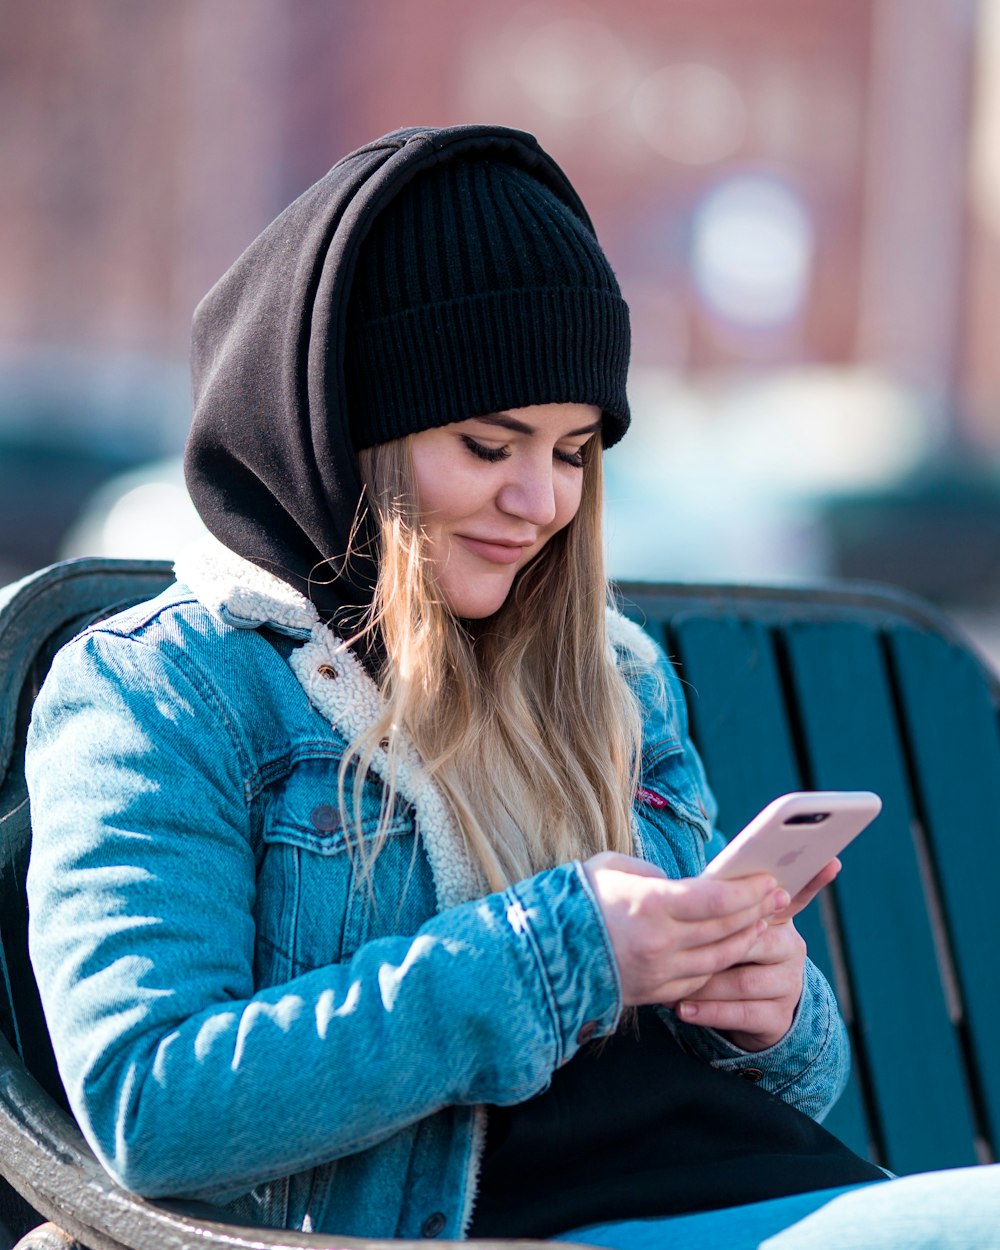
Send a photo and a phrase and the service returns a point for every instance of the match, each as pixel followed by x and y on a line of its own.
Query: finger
pixel 694 969
pixel 809 891
pixel 779 943
pixel 707 960
pixel 757 1017
pixel 748 982
pixel 712 930
pixel 705 898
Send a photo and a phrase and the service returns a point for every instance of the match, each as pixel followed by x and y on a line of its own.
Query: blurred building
pixel 759 170
pixel 781 187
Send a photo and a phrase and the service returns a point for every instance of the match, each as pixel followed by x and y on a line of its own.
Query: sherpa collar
pixel 337 685
pixel 246 596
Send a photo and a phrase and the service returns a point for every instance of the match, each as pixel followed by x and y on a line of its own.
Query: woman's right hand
pixel 669 937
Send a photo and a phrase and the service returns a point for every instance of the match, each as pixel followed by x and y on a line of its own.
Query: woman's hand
pixel 671 938
pixel 754 1003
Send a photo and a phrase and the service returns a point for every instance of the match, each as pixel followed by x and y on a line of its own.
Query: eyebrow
pixel 520 427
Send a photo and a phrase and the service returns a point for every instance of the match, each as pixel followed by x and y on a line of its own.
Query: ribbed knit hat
pixel 479 290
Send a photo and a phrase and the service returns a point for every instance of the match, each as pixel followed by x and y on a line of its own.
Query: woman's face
pixel 491 492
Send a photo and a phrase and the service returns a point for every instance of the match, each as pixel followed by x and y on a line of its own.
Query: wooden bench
pixel 823 687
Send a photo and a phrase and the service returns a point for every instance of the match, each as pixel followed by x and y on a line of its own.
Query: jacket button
pixel 750 1074
pixel 327 671
pixel 586 1033
pixel 324 817
pixel 433 1225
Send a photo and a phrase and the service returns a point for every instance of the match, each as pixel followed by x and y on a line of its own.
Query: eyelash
pixel 494 454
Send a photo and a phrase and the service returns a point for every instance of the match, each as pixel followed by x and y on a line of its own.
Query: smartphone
pixel 793 837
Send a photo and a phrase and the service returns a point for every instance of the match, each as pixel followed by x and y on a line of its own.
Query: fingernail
pixel 761 926
pixel 688 1011
pixel 781 899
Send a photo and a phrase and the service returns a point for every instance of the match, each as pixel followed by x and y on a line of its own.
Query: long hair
pixel 523 719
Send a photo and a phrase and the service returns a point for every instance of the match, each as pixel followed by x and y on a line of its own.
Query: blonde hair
pixel 524 720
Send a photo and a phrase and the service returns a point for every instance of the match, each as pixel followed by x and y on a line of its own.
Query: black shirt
pixel 634 1127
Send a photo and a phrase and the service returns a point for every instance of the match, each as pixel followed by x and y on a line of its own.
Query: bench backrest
pixel 37 616
pixel 819 688
pixel 867 689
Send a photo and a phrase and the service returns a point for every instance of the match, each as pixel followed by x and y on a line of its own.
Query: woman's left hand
pixel 754 1002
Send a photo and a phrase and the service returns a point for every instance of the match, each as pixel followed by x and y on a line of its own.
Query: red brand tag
pixel 652 798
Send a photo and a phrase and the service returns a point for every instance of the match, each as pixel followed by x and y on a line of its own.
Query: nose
pixel 530 493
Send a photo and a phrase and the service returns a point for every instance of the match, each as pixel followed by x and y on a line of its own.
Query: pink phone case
pixel 793 837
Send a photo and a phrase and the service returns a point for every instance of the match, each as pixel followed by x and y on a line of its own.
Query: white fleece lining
pixel 477 1148
pixel 351 703
pixel 239 592
pixel 629 636
pixel 246 597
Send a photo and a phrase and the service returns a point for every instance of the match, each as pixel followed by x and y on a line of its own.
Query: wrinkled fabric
pixel 236 1018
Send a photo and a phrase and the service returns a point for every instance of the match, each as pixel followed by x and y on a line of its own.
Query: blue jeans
pixel 953 1210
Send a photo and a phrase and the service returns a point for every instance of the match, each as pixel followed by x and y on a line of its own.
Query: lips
pixel 493 551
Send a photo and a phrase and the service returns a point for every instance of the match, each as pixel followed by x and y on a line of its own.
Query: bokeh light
pixel 751 251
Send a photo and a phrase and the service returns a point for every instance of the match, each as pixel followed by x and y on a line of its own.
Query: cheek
pixel 428 474
pixel 449 500
pixel 433 482
pixel 447 487
pixel 569 492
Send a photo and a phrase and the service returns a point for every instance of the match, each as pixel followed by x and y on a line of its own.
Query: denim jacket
pixel 234 1018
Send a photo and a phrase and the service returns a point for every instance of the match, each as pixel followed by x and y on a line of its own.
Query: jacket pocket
pixel 304 810
pixel 317 900
pixel 671 783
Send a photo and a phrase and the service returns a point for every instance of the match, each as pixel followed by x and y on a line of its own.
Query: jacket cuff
pixel 558 912
pixel 808 1067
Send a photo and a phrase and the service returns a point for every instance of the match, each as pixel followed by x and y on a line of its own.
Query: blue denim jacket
pixel 234 1020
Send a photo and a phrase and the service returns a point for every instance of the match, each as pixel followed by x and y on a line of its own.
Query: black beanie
pixel 479 290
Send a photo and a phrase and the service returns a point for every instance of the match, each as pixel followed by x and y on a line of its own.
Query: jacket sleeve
pixel 142 889
pixel 675 814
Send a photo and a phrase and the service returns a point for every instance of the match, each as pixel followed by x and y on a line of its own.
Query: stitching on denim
pixel 605 939
pixel 279 766
pixel 123 625
pixel 536 952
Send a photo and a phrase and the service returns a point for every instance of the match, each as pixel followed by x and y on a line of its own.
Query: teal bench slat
pixel 732 681
pixel 741 723
pixel 848 725
pixel 954 740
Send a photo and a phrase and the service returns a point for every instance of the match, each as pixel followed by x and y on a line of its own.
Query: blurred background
pixel 801 200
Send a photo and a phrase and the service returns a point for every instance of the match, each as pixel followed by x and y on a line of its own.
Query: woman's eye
pixel 492 454
pixel 574 458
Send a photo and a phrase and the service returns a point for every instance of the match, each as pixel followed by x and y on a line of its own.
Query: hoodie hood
pixel 269 461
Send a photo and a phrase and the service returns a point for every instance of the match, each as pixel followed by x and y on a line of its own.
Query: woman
pixel 364 891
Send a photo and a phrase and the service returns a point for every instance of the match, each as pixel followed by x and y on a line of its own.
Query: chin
pixel 470 606
pixel 477 611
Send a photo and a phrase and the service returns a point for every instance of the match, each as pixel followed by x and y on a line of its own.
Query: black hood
pixel 269 461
